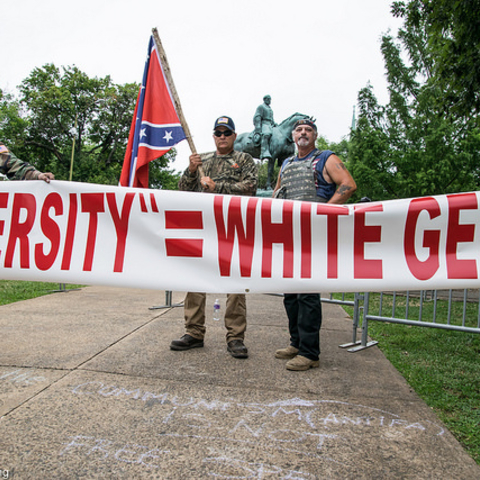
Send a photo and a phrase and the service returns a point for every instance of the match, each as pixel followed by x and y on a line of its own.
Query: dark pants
pixel 304 312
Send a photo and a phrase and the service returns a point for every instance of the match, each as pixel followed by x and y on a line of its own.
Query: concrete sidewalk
pixel 90 389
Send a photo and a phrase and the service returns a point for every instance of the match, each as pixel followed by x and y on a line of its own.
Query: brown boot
pixel 300 363
pixel 286 353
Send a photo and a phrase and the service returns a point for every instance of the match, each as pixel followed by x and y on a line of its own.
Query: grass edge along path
pixel 16 290
pixel 443 367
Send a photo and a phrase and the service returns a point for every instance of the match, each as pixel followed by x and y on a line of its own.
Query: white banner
pixel 180 241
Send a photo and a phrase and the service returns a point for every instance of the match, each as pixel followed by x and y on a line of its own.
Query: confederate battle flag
pixel 156 128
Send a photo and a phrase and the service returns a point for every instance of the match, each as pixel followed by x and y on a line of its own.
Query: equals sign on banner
pixel 185 220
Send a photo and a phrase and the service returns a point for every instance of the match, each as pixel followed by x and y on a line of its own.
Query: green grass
pixel 13 291
pixel 442 366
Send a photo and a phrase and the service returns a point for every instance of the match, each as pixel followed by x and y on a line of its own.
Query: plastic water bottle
pixel 216 310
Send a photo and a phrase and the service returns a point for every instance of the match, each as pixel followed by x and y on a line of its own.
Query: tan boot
pixel 300 363
pixel 286 353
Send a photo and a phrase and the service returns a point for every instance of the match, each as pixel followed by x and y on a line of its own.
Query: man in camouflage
pixel 16 169
pixel 229 172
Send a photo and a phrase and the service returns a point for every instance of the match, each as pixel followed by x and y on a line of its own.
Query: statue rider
pixel 263 121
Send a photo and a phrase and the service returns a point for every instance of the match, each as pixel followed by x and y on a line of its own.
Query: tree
pixel 340 149
pixel 409 147
pixel 12 125
pixel 63 109
pixel 453 31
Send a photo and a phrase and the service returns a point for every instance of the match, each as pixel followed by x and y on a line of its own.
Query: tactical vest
pixel 298 181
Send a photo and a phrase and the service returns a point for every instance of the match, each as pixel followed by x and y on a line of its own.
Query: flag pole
pixel 176 99
pixel 73 148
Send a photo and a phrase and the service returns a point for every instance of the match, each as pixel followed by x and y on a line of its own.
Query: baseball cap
pixel 224 122
pixel 305 121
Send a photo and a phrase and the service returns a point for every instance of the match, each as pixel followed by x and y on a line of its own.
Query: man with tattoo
pixel 312 176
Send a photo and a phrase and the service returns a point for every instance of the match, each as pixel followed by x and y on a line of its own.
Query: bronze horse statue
pixel 281 143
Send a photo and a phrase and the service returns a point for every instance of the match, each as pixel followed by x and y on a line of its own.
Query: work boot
pixel 237 349
pixel 300 363
pixel 186 343
pixel 286 353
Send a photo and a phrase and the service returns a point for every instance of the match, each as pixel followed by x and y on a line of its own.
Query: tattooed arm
pixel 335 171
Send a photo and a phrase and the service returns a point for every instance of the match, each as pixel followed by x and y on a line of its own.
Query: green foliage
pixel 341 149
pixel 409 147
pixel 12 125
pixel 63 110
pixel 452 28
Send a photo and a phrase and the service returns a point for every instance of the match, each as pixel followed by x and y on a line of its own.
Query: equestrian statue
pixel 278 144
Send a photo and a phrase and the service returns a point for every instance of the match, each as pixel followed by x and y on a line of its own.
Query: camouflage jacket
pixel 233 174
pixel 14 168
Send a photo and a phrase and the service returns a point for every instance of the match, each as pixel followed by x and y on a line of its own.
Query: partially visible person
pixel 228 172
pixel 313 176
pixel 15 169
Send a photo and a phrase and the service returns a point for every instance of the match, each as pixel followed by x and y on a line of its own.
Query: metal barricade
pixel 448 298
pixel 168 302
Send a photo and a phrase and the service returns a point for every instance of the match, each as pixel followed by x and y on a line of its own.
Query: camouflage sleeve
pixel 188 182
pixel 246 183
pixel 14 168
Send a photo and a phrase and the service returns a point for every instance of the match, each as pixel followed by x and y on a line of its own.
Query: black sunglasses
pixel 226 133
